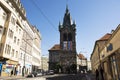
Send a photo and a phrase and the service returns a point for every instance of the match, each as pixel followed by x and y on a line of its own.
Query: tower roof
pixel 67 18
pixel 81 56
pixel 55 47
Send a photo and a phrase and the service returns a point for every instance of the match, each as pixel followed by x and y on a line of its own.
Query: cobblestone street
pixel 72 77
pixel 54 77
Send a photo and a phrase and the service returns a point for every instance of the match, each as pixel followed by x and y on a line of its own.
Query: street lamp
pixel 24 70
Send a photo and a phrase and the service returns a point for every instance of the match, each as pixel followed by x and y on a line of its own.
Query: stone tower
pixel 67 44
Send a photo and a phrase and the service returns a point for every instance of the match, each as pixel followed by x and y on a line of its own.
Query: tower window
pixel 64 37
pixel 69 37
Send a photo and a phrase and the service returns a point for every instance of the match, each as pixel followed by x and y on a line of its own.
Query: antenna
pixel 66 2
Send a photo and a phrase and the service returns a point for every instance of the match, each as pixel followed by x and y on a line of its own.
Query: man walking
pixel 97 74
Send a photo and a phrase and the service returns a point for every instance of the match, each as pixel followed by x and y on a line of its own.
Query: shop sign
pixel 9 66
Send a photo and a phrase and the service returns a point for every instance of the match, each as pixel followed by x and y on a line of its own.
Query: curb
pixel 13 77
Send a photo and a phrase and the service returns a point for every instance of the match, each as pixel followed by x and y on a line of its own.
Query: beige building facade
pixel 44 63
pixel 81 63
pixel 109 56
pixel 95 56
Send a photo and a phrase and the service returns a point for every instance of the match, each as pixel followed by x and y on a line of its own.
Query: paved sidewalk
pixel 12 77
pixel 90 76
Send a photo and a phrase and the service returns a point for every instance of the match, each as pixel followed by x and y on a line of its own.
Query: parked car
pixel 32 74
pixel 39 74
pixel 50 72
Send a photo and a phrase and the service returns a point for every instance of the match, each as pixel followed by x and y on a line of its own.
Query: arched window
pixel 69 37
pixel 64 37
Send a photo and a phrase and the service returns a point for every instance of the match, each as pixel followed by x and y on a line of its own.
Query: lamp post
pixel 24 68
pixel 42 64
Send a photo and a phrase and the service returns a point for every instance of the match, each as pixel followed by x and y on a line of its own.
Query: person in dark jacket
pixel 102 72
pixel 97 74
pixel 11 72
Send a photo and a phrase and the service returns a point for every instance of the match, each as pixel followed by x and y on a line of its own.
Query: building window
pixel 19 31
pixel 12 54
pixel 15 39
pixel 18 41
pixel 64 37
pixel 69 45
pixel 1 29
pixel 4 15
pixel 114 67
pixel 16 54
pixel 10 33
pixel 17 28
pixel 13 21
pixel 65 45
pixel 21 56
pixel 0 8
pixel 69 37
pixel 7 49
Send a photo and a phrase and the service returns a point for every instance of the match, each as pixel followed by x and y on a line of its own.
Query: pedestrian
pixel 15 71
pixel 11 72
pixel 97 74
pixel 102 71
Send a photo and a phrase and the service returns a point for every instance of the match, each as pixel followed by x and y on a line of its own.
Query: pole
pixel 42 65
pixel 25 55
pixel 86 64
pixel 25 40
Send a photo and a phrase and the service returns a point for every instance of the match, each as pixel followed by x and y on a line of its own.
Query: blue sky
pixel 94 18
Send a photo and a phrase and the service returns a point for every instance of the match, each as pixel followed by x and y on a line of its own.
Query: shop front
pixel 107 69
pixel 8 67
pixel 115 65
pixel 111 65
pixel 0 68
pixel 28 68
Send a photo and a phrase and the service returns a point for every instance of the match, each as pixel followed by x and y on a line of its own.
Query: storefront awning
pixel 12 62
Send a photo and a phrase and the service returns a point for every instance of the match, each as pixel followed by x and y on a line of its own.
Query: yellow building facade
pixel 109 56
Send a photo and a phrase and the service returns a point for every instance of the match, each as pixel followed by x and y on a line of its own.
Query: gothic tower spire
pixel 67 18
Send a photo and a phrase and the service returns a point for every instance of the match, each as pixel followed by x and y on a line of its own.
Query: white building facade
pixel 19 44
